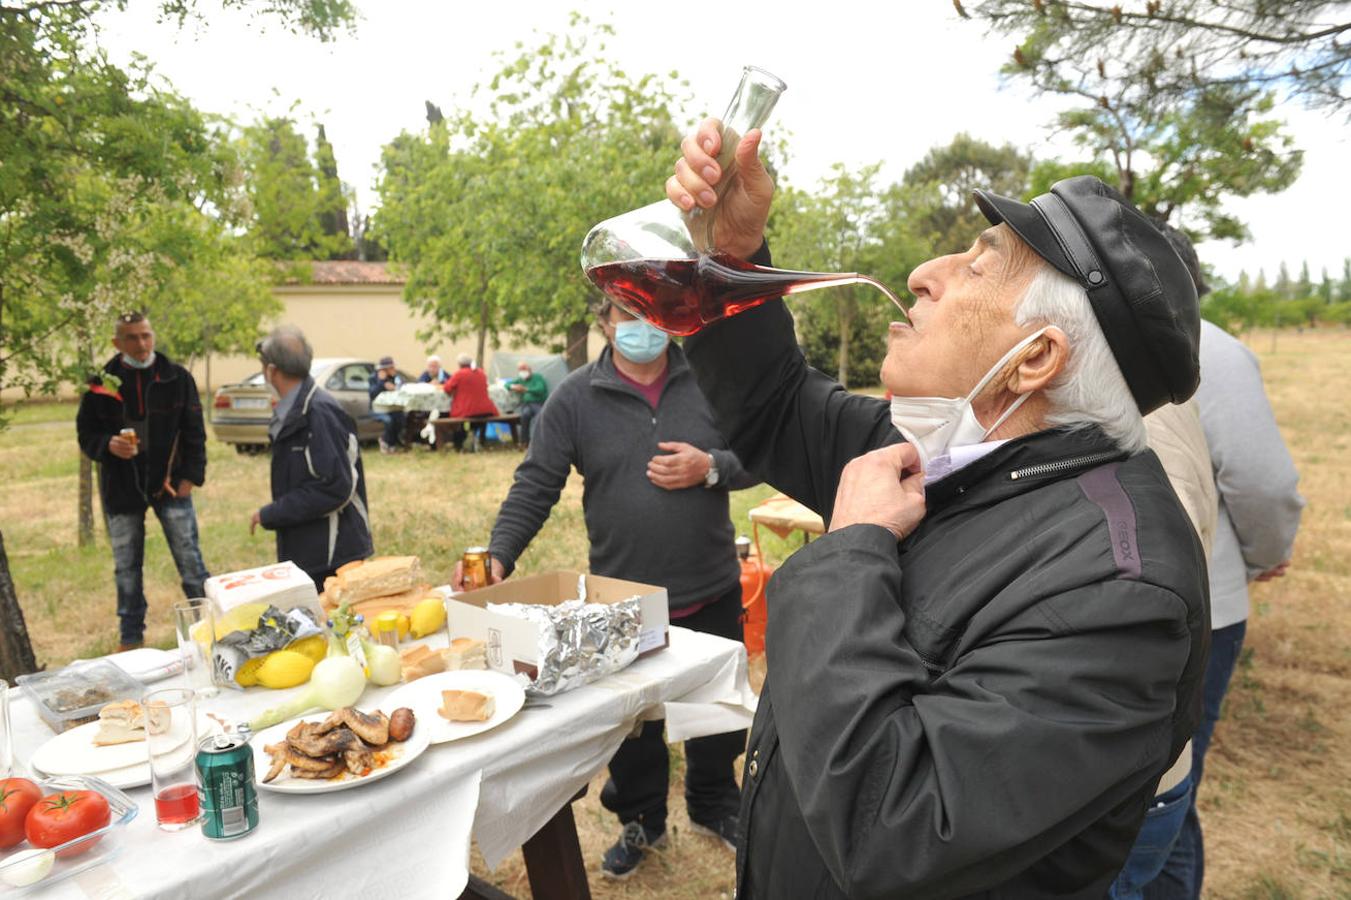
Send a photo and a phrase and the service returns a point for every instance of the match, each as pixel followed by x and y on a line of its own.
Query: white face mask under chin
pixel 934 425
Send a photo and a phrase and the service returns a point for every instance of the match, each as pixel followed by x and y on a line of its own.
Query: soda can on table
pixel 477 565
pixel 225 780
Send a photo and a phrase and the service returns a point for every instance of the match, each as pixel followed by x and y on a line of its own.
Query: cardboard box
pixel 512 643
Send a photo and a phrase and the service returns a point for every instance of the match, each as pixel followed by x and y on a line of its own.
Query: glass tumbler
pixel 195 625
pixel 171 740
pixel 7 767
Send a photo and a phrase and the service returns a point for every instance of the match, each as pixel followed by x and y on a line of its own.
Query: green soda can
pixel 225 780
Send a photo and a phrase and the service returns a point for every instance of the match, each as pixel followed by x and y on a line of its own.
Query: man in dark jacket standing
pixel 657 475
pixel 318 506
pixel 141 421
pixel 978 676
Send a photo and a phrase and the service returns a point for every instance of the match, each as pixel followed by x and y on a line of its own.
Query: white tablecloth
pixel 408 835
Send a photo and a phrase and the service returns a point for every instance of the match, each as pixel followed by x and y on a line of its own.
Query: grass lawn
pixel 1278 778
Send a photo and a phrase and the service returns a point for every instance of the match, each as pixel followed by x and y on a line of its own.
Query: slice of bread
pixel 467 706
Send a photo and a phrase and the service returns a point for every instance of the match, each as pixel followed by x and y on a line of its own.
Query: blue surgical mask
pixel 132 362
pixel 640 342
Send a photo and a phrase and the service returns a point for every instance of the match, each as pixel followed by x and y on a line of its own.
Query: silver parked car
pixel 240 412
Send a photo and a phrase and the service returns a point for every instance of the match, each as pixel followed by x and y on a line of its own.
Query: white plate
pixel 285 783
pixel 130 766
pixel 423 697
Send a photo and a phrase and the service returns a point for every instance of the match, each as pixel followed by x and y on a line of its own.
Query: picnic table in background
pixel 783 515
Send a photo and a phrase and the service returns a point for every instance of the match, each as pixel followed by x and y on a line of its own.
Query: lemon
pixel 315 646
pixel 284 669
pixel 247 674
pixel 428 616
pixel 403 626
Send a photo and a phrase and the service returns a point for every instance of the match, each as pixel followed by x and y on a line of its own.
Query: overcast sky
pixel 866 81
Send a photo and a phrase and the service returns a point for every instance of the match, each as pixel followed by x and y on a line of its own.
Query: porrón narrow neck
pixel 750 108
pixel 815 280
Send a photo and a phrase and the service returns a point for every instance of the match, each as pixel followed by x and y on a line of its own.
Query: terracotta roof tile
pixel 349 271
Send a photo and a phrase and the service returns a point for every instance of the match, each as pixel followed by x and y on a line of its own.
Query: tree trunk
pixel 575 351
pixel 846 320
pixel 483 325
pixel 86 501
pixel 16 650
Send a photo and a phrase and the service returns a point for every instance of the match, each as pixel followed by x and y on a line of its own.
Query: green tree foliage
pixel 942 205
pixel 847 224
pixel 1174 152
pixel 112 189
pixel 1179 50
pixel 298 207
pixel 487 211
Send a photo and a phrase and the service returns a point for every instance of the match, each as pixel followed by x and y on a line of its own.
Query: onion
pixel 27 867
pixel 336 681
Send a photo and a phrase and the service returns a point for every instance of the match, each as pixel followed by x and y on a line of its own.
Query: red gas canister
pixel 754 577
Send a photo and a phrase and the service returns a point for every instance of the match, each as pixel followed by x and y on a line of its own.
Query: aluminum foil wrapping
pixel 579 642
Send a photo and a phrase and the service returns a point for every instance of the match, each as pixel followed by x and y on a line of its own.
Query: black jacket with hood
pixel 983 710
pixel 318 506
pixel 162 404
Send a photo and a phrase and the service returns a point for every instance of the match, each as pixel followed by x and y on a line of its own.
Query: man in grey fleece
pixel 1259 513
pixel 657 473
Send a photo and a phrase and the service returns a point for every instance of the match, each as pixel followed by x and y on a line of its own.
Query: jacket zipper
pixel 1053 467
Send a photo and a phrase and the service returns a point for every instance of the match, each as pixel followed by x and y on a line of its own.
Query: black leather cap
pixel 1140 290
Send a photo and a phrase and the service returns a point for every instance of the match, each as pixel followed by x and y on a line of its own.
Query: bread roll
pixel 467 706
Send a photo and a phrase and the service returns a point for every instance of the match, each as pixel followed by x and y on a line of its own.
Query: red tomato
pixel 64 816
pixel 17 796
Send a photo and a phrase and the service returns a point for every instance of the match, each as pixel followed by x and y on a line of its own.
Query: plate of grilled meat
pixel 334 751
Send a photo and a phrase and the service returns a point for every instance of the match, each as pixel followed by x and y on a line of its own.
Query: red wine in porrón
pixel 683 295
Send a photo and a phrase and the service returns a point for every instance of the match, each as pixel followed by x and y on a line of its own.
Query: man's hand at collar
pixel 884 487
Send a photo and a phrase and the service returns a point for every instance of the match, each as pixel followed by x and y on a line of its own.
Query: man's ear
pixel 1045 359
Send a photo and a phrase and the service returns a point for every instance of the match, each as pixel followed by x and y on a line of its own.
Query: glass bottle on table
pixel 662 264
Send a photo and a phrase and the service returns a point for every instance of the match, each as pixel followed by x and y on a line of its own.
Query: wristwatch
pixel 711 478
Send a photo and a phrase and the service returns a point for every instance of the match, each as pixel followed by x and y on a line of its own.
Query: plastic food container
pixel 90 850
pixel 74 695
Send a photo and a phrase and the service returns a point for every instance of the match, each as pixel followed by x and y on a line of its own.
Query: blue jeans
pixel 1186 867
pixel 1154 843
pixel 393 426
pixel 527 412
pixel 126 532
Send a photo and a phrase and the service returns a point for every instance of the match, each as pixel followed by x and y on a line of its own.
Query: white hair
pixel 433 359
pixel 1091 390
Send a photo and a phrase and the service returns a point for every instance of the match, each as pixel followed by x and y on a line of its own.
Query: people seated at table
pixel 387 378
pixel 533 391
pixel 468 390
pixel 318 507
pixel 658 474
pixel 433 374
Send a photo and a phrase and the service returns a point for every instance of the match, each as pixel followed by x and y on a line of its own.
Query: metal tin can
pixel 477 564
pixel 225 780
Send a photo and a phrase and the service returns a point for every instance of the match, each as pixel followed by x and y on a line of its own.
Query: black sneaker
pixel 627 854
pixel 724 829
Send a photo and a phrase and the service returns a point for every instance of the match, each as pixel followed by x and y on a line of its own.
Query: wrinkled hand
pixel 255 521
pixel 497 573
pixel 739 227
pixel 683 465
pixel 121 447
pixel 884 487
pixel 1277 571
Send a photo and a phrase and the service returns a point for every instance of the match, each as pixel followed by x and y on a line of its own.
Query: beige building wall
pixel 364 320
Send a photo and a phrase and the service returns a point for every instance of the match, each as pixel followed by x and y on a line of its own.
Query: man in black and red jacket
pixel 141 421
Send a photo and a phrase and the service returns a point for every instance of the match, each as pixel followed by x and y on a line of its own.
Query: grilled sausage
pixel 401 724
